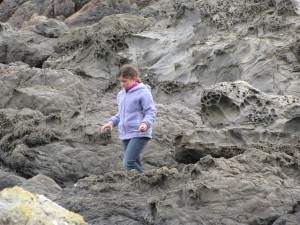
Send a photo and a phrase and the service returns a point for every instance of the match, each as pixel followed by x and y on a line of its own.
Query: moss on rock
pixel 18 206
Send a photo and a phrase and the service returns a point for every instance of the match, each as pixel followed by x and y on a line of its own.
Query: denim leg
pixel 133 149
pixel 125 143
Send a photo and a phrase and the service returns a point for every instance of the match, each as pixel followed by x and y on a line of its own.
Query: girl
pixel 135 116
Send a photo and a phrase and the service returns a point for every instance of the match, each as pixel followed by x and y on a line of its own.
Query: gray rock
pixel 92 12
pixel 43 185
pixel 225 80
pixel 9 178
pixel 17 12
pixel 93 51
pixel 51 28
pixel 25 46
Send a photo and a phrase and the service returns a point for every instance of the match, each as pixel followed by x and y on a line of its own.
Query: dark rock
pixel 225 80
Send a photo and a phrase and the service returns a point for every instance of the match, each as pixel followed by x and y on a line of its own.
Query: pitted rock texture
pixel 240 103
pixel 199 193
pixel 225 80
pixel 93 51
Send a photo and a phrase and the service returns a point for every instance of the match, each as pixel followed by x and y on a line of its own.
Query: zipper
pixel 124 112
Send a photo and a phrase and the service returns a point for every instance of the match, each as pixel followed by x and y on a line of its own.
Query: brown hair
pixel 129 71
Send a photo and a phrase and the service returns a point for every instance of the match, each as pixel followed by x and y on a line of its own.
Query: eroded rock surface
pixel 225 80
pixel 25 46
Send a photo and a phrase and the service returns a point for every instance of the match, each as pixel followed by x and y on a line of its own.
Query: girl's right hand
pixel 105 126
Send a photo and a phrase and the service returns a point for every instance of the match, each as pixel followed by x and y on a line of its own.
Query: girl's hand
pixel 105 126
pixel 143 127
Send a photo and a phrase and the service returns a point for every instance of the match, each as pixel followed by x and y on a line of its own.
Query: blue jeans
pixel 133 149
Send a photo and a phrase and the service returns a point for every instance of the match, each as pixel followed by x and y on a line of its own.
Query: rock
pixel 34 20
pixel 10 179
pixel 225 80
pixel 239 103
pixel 63 8
pixel 25 46
pixel 21 207
pixel 204 188
pixel 43 185
pixel 95 10
pixel 51 28
pixel 96 47
pixel 79 4
pixel 17 12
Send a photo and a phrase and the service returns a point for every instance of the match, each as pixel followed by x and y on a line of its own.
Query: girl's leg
pixel 125 143
pixel 134 148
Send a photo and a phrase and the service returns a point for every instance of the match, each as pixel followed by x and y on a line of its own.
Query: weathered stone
pixel 225 80
pixel 51 28
pixel 21 207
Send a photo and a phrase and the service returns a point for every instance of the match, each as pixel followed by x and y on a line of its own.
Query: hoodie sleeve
pixel 149 109
pixel 114 120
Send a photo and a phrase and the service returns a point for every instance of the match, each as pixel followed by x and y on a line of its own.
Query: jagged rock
pixel 212 42
pixel 239 115
pixel 95 10
pixel 92 51
pixel 242 104
pixel 48 91
pixel 21 207
pixel 225 80
pixel 33 21
pixel 17 12
pixel 25 46
pixel 30 148
pixel 51 28
pixel 200 193
pixel 79 4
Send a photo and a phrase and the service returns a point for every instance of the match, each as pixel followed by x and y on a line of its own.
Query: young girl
pixel 135 116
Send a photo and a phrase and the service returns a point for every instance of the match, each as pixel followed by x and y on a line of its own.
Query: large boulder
pixel 26 46
pixel 21 207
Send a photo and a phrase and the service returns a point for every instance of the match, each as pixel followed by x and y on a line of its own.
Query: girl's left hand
pixel 143 127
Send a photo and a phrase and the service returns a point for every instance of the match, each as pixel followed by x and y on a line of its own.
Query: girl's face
pixel 126 82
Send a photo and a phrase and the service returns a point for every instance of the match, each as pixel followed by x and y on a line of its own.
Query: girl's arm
pixel 149 109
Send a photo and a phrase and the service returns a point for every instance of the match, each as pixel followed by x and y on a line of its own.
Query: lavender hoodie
pixel 136 106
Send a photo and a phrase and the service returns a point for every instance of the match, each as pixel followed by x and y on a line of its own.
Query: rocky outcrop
pixel 225 80
pixel 17 12
pixel 95 10
pixel 94 51
pixel 210 190
pixel 242 104
pixel 51 28
pixel 25 46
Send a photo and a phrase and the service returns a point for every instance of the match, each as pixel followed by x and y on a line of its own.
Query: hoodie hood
pixel 139 87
